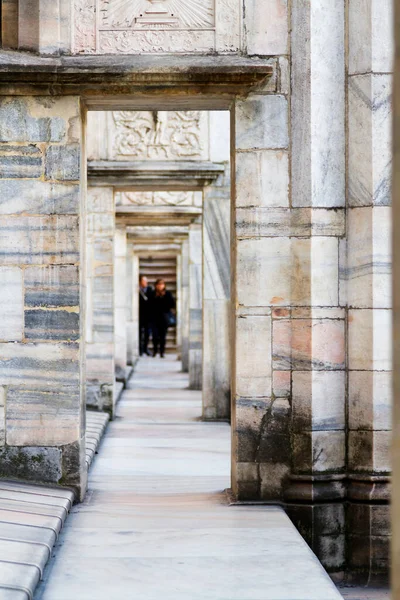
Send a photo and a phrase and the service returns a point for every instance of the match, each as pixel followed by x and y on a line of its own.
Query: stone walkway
pixel 31 518
pixel 156 523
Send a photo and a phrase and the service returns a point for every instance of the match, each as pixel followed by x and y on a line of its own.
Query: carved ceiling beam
pixel 158 234
pixel 170 249
pixel 157 215
pixel 135 82
pixel 172 176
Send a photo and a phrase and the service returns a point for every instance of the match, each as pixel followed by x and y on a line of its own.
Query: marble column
pixel 396 321
pixel 366 283
pixel 288 433
pixel 195 306
pixel 216 299
pixel 179 305
pixel 44 26
pixel 42 297
pixel 120 302
pixel 318 175
pixel 133 305
pixel 100 368
pixel 185 308
pixel 131 355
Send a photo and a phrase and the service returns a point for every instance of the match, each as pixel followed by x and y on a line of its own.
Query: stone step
pixel 31 518
pixel 96 424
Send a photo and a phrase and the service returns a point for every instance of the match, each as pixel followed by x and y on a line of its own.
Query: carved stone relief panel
pixel 181 135
pixel 156 198
pixel 156 26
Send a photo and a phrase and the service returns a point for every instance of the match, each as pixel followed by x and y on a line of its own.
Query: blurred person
pixel 145 298
pixel 162 315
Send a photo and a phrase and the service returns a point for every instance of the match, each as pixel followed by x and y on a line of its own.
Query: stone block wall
pixel 42 378
pixel 366 281
pixel 311 273
pixel 100 367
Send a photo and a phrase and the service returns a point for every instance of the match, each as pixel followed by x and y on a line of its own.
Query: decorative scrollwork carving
pixel 148 14
pixel 155 26
pixel 85 26
pixel 159 135
pixel 155 198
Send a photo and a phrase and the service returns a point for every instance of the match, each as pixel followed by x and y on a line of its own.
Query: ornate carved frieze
pixel 155 198
pixel 158 135
pixel 85 32
pixel 156 26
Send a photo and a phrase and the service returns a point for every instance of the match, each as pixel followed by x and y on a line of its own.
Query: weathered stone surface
pixel 262 179
pixel 52 286
pixel 371 36
pixel 11 304
pixel 303 344
pixel 323 450
pixel 370 400
pixel 254 375
pixel 262 123
pixel 266 25
pixel 63 163
pixel 39 240
pixel 370 98
pixel 326 410
pixel 369 340
pixel 369 451
pixel 21 166
pixel 31 463
pixel 38 197
pixel 40 418
pixel 19 123
pixel 3 392
pixel 33 366
pixel 51 325
pixel 318 104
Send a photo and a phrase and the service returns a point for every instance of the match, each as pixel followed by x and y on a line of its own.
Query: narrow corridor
pixel 156 523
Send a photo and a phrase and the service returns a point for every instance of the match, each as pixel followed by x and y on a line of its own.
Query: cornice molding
pixel 153 175
pixel 99 79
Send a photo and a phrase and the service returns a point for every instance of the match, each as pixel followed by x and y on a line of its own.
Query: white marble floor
pixel 156 523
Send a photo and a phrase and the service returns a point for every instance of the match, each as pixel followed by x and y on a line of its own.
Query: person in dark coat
pixel 145 299
pixel 163 309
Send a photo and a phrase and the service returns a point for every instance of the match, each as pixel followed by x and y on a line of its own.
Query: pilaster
pixel 185 308
pixel 42 268
pixel 100 372
pixel 216 299
pixel 120 302
pixel 195 306
pixel 366 283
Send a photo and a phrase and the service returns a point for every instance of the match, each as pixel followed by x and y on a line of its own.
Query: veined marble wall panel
pixel 195 304
pixel 265 26
pixel 185 266
pixel 366 278
pixel 132 279
pixel 145 135
pixel 100 300
pixel 120 300
pixel 179 304
pixel 168 26
pixel 216 298
pixel 42 360
pixel 318 104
